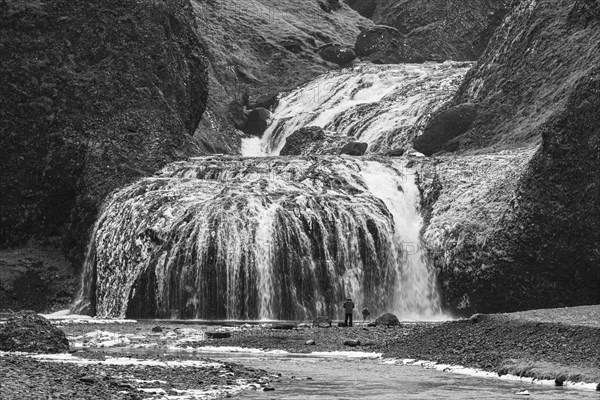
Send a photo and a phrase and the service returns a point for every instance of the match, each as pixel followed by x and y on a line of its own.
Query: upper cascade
pixel 383 105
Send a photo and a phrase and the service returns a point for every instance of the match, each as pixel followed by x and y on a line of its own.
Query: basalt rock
pixel 337 54
pixel 354 148
pixel 387 320
pixel 322 322
pixel 218 334
pixel 298 141
pixel 30 332
pixel 444 126
pixel 351 342
pixel 93 96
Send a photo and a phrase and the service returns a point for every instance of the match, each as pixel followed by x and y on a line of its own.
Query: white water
pixel 281 238
pixel 416 296
pixel 382 105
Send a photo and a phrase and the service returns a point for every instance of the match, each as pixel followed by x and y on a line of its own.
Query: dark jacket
pixel 348 306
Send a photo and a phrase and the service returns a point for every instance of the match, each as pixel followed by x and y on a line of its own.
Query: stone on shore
pixel 322 322
pixel 352 342
pixel 387 320
pixel 284 326
pixel 30 332
pixel 310 343
pixel 218 334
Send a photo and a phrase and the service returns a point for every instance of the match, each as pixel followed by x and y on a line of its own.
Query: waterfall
pixel 382 105
pixel 255 237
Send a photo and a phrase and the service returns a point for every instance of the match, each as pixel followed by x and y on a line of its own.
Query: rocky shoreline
pixel 134 360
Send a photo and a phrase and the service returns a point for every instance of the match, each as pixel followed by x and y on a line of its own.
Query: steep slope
pixel 92 96
pixel 258 48
pixel 438 30
pixel 532 238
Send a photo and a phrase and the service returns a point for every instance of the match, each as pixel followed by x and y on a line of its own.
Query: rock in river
pixel 29 332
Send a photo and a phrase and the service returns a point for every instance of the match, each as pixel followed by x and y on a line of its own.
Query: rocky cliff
pixel 435 30
pixel 258 48
pixel 530 235
pixel 92 96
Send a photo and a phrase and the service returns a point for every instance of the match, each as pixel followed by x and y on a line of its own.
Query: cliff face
pixel 92 96
pixel 534 241
pixel 258 48
pixel 438 30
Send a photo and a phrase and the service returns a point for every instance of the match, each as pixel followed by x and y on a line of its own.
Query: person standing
pixel 348 310
pixel 366 313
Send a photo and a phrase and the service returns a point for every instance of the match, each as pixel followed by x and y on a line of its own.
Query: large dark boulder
pixel 322 322
pixel 337 54
pixel 297 142
pixel 387 320
pixel 354 148
pixel 32 333
pixel 258 122
pixel 443 126
pixel 93 95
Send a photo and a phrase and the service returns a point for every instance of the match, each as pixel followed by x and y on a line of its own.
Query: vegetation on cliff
pixel 536 86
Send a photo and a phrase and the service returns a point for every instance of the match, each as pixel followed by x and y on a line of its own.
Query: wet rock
pixel 372 324
pixel 354 148
pixel 444 126
pixel 342 325
pixel 351 342
pixel 387 319
pixel 268 389
pixel 395 153
pixel 258 121
pixel 336 54
pixel 310 343
pixel 478 317
pixel 322 322
pixel 218 334
pixel 301 139
pixel 157 329
pixel 560 380
pixel 29 332
pixel 284 326
pixel 292 44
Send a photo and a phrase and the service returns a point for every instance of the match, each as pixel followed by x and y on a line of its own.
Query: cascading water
pixel 382 105
pixel 277 237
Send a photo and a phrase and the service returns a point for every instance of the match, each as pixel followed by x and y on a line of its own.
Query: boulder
pixel 157 329
pixel 322 322
pixel 354 148
pixel 292 44
pixel 372 324
pixel 258 122
pixel 310 343
pixel 218 334
pixel 32 333
pixel 284 326
pixel 444 126
pixel 395 153
pixel 351 342
pixel 478 317
pixel 342 324
pixel 301 139
pixel 387 320
pixel 336 54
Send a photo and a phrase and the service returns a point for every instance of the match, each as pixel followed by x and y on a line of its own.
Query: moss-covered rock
pixel 92 96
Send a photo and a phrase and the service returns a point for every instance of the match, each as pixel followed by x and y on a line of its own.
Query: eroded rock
pixel 30 332
pixel 387 319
